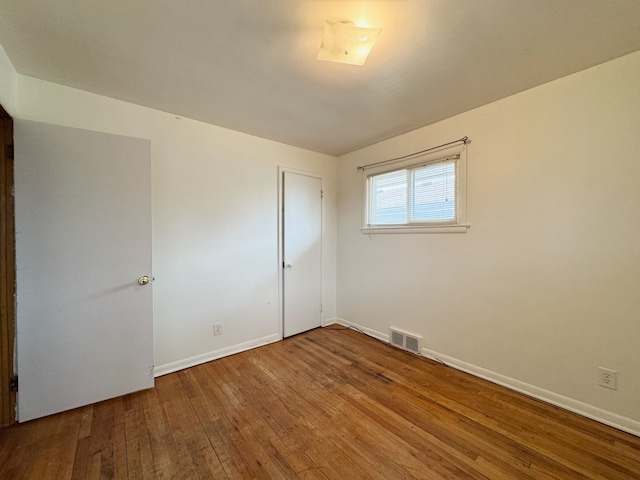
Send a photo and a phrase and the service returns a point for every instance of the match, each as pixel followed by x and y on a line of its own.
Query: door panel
pixel 83 237
pixel 302 242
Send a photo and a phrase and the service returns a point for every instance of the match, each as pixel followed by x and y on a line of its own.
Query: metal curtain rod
pixel 461 140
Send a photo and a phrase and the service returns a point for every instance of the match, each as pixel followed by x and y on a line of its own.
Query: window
pixel 427 196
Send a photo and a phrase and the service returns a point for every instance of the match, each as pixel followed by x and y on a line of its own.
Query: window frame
pixel 459 225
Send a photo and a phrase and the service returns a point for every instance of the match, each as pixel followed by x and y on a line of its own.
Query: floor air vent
pixel 406 341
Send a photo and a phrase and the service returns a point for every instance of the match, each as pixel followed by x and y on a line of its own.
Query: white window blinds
pixel 424 194
pixel 389 198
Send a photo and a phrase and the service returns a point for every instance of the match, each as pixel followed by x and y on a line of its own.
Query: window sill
pixel 415 229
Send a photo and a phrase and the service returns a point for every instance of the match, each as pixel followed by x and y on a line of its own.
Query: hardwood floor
pixel 328 404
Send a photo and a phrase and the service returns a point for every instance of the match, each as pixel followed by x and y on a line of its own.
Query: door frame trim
pixel 281 172
pixel 8 274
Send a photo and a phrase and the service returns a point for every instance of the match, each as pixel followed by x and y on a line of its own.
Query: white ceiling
pixel 250 65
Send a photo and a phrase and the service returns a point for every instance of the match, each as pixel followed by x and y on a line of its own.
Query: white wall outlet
pixel 217 329
pixel 608 378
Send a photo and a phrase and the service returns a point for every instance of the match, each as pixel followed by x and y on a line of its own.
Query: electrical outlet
pixel 608 378
pixel 217 329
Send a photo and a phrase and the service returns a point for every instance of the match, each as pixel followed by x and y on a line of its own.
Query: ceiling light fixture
pixel 345 42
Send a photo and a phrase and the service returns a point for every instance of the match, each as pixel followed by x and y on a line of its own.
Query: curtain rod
pixel 464 140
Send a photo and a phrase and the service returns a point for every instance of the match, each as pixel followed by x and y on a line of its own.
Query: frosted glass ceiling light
pixel 344 42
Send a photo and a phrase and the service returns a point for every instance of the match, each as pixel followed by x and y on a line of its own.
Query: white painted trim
pixel 415 229
pixel 383 337
pixel 584 409
pixel 329 321
pixel 214 355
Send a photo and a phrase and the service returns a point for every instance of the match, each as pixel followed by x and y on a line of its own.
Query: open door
pixel 83 251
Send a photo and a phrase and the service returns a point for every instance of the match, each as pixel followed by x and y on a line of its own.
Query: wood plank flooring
pixel 328 404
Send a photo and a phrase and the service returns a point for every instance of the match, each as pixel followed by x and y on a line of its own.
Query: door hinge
pixel 13 384
pixel 8 151
pixel 321 193
pixel 321 307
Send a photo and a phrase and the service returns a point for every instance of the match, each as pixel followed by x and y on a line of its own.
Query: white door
pixel 83 239
pixel 302 248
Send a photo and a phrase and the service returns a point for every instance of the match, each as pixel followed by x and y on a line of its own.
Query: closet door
pixel 302 247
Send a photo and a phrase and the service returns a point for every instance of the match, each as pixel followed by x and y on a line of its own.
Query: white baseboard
pixel 594 413
pixel 329 321
pixel 383 337
pixel 213 355
pixel 171 367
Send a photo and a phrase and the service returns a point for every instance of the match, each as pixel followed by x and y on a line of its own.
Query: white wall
pixel 545 286
pixel 215 255
pixel 8 77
